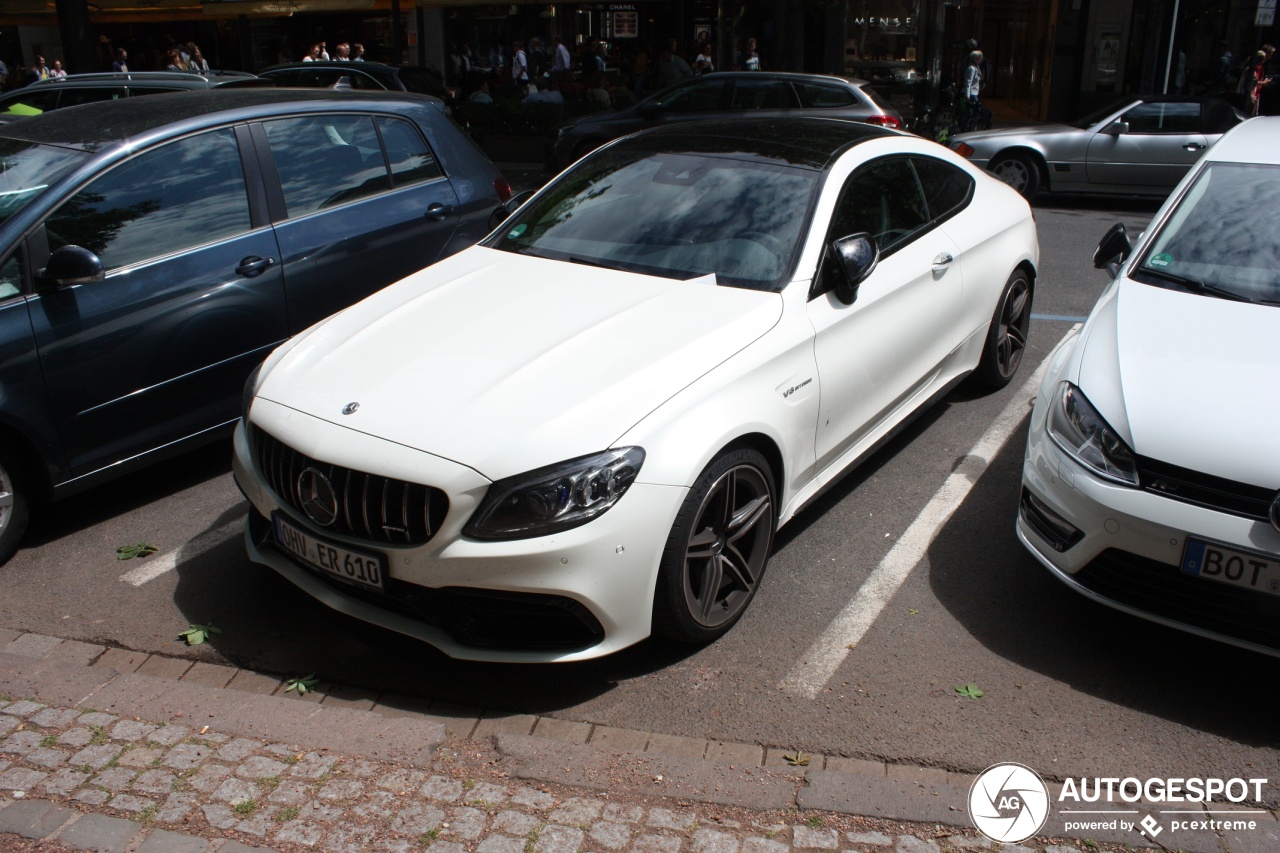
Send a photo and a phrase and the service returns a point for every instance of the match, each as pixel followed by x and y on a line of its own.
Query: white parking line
pixel 824 657
pixel 150 568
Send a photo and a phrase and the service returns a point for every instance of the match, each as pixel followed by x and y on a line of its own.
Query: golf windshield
pixel 1221 239
pixel 679 216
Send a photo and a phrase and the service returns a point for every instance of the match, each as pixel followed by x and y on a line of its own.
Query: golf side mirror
pixel 70 265
pixel 1113 249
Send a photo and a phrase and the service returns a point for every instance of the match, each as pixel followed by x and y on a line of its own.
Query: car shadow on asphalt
pixel 130 492
pixel 1019 611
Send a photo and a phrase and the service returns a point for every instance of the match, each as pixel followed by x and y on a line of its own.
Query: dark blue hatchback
pixel 154 250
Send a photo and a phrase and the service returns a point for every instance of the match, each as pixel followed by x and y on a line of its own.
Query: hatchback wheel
pixel 717 550
pixel 14 510
pixel 1007 336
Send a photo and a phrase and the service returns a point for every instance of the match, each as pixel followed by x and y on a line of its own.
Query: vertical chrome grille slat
pixel 376 496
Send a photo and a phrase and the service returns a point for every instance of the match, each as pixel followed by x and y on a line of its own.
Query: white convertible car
pixel 1152 475
pixel 587 428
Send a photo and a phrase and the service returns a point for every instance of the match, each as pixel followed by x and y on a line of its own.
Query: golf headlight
pixel 555 498
pixel 1076 427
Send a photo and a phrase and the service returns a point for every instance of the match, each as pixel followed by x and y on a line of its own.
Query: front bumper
pixel 1127 546
pixel 575 595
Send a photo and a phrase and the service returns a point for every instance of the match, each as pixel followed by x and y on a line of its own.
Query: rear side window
pixel 325 161
pixel 411 160
pixel 825 96
pixel 946 188
pixel 177 196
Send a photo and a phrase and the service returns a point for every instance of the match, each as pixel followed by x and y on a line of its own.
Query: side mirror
pixel 70 265
pixel 1116 128
pixel 1113 249
pixel 508 207
pixel 855 258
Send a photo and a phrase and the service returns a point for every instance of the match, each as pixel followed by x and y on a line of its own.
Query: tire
pixel 718 549
pixel 15 502
pixel 1018 171
pixel 1007 337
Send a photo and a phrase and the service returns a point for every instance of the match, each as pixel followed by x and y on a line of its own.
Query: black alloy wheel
pixel 1007 336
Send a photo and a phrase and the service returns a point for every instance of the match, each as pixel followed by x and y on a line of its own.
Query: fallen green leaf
pixel 970 690
pixel 913 611
pixel 197 634
pixel 798 759
pixel 128 552
pixel 305 684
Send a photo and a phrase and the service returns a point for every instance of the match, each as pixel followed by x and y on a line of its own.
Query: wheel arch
pixel 1035 155
pixel 28 456
pixel 766 447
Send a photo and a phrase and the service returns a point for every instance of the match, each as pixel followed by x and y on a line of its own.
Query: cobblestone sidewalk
pixel 93 780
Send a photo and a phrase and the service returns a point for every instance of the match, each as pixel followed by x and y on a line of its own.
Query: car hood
pixel 1190 379
pixel 505 362
pixel 1007 132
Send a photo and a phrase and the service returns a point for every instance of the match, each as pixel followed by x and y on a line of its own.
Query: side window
pixel 884 200
pixel 411 160
pixel 761 95
pixel 364 81
pixel 176 196
pixel 136 91
pixel 697 98
pixel 946 188
pixel 30 104
pixel 824 96
pixel 325 161
pixel 11 275
pixel 1163 118
pixel 89 95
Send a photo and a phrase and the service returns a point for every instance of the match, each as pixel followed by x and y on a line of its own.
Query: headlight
pixel 1077 428
pixel 250 391
pixel 555 498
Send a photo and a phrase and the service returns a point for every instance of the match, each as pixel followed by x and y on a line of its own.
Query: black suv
pixel 76 89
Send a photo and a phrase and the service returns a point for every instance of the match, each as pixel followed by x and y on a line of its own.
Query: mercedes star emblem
pixel 350 408
pixel 318 499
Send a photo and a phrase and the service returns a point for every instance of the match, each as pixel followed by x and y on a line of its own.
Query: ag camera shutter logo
pixel 1008 802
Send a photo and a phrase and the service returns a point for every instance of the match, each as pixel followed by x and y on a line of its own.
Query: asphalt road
pixel 1071 688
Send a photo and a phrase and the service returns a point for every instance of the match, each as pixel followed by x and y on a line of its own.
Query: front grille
pixel 1193 487
pixel 373 508
pixel 1163 590
pixel 472 617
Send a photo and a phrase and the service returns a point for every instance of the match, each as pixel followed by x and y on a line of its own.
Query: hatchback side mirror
pixel 70 265
pixel 1113 249
pixel 1116 128
pixel 855 258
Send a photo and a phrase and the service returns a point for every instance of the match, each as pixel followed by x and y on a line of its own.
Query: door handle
pixel 941 262
pixel 1194 146
pixel 437 211
pixel 254 265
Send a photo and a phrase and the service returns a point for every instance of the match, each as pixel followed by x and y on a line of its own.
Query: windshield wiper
pixel 1196 285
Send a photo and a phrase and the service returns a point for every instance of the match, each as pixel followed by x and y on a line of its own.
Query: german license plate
pixel 354 567
pixel 1227 565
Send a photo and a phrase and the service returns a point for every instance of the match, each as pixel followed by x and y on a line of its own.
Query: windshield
pixel 27 168
pixel 1098 115
pixel 678 216
pixel 1221 238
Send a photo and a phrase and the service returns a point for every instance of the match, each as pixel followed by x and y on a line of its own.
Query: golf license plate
pixel 1227 565
pixel 354 567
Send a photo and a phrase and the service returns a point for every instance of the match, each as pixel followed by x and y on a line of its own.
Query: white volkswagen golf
pixel 587 428
pixel 1152 476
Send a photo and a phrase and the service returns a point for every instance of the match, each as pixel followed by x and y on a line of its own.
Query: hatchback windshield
pixel 27 168
pixel 1221 238
pixel 679 216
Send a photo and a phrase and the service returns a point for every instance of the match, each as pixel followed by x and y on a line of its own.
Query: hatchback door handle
pixel 254 265
pixel 437 211
pixel 941 262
